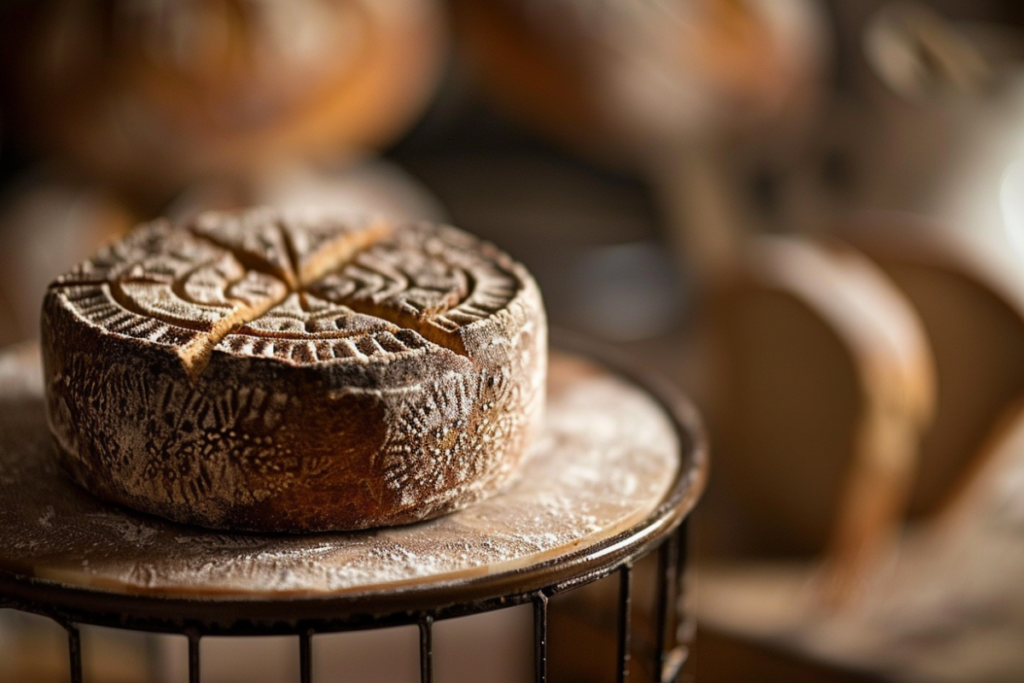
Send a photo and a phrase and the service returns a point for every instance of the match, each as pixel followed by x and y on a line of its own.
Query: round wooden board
pixel 607 460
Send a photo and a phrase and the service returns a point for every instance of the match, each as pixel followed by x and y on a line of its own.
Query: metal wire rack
pixel 663 532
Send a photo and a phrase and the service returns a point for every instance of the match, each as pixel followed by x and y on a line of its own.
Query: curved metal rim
pixel 390 606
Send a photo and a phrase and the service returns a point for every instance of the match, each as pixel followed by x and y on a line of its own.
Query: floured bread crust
pixel 294 372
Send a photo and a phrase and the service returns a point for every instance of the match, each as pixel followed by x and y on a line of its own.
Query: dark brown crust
pixel 362 398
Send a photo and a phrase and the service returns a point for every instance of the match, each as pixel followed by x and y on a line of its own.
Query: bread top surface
pixel 301 289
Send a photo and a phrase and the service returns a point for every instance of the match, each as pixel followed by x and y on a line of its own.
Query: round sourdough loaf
pixel 274 371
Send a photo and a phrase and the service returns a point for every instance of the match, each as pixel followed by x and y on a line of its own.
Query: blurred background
pixel 809 214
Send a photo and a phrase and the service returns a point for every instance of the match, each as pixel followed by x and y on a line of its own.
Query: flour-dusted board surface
pixel 612 469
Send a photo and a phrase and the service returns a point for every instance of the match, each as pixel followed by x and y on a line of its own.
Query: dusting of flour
pixel 606 457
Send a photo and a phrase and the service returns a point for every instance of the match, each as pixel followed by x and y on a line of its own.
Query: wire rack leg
pixel 540 638
pixel 75 652
pixel 687 625
pixel 625 607
pixel 306 656
pixel 426 649
pixel 672 576
pixel 667 587
pixel 193 658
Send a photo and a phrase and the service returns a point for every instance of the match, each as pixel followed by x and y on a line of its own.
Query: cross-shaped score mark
pixel 301 289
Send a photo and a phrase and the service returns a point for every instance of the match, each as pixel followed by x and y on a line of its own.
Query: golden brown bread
pixel 622 81
pixel 217 88
pixel 972 306
pixel 824 384
pixel 294 372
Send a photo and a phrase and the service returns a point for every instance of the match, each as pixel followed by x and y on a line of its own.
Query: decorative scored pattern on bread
pixel 294 372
